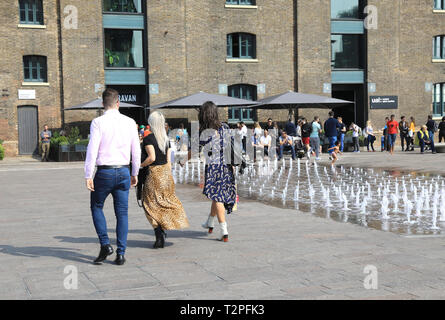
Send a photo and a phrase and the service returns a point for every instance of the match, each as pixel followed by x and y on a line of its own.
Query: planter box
pixel 80 148
pixel 66 153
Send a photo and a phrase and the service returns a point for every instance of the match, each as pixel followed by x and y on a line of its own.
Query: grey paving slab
pixel 272 254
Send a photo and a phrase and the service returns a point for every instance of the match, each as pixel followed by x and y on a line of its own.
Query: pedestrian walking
pixel 341 133
pixel 412 129
pixel 392 126
pixel 163 209
pixel 331 127
pixel 432 128
pixel 355 136
pixel 369 136
pixel 315 137
pixel 442 130
pixel 113 140
pixel 219 179
pixel 404 137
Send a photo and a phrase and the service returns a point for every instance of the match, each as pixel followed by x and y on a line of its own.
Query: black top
pixel 442 126
pixel 340 128
pixel 306 130
pixel 291 129
pixel 430 125
pixel 161 158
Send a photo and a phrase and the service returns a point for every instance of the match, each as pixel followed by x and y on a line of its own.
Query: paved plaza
pixel 46 225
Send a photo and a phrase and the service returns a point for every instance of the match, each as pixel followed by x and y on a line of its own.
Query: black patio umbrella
pixel 97 104
pixel 291 99
pixel 198 99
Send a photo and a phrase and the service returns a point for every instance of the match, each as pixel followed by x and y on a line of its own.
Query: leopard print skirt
pixel 161 205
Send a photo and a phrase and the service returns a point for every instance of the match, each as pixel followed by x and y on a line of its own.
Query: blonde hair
pixel 256 124
pixel 156 121
pixel 368 123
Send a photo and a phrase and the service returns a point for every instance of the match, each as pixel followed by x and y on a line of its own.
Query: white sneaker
pixel 318 158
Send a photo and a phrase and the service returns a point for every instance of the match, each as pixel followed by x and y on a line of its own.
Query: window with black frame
pixel 123 6
pixel 347 9
pixel 439 47
pixel 241 2
pixel 439 4
pixel 241 46
pixel 35 69
pixel 124 48
pixel 438 99
pixel 31 12
pixel 242 91
pixel 347 51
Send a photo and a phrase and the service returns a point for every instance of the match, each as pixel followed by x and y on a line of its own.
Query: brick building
pixel 60 53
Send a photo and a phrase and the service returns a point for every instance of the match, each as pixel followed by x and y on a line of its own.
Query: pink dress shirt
pixel 113 137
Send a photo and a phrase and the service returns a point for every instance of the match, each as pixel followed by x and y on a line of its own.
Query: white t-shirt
pixel 265 140
pixel 243 131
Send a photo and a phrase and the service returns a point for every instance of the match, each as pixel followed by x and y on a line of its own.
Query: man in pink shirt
pixel 113 138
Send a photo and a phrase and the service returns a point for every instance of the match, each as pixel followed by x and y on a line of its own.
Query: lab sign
pixel 384 102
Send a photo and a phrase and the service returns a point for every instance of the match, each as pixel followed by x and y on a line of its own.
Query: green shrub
pixel 83 142
pixel 59 140
pixel 74 135
pixel 2 151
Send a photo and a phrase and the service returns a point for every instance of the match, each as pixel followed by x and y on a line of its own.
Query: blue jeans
pixel 342 141
pixel 332 141
pixel 431 134
pixel 282 148
pixel 392 139
pixel 116 182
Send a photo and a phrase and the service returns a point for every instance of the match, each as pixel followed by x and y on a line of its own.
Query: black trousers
pixel 405 138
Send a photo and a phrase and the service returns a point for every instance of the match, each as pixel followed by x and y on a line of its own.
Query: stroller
pixel 299 147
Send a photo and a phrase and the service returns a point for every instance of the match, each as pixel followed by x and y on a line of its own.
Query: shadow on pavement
pixel 35 252
pixel 175 233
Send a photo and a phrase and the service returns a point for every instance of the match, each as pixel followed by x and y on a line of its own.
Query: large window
pixel 124 48
pixel 31 12
pixel 241 45
pixel 439 4
pixel 242 91
pixel 241 2
pixel 347 51
pixel 347 9
pixel 438 99
pixel 125 6
pixel 34 68
pixel 439 47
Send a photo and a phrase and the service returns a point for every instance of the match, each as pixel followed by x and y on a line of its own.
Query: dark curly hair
pixel 208 116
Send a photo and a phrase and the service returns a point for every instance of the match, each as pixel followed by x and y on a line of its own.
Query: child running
pixel 335 150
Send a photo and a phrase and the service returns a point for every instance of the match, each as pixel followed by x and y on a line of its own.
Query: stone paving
pixel 45 225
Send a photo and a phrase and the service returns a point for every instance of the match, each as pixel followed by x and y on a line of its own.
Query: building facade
pixel 386 56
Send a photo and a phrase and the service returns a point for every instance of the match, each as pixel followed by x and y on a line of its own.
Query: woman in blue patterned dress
pixel 219 180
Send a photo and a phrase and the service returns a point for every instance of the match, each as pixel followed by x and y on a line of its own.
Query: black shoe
pixel 105 251
pixel 159 243
pixel 120 259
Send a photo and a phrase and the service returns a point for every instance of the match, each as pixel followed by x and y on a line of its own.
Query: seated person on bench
pixel 286 142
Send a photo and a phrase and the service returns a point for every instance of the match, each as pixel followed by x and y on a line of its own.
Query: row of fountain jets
pixel 354 185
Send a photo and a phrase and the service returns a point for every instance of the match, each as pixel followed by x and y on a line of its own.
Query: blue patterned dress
pixel 219 180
